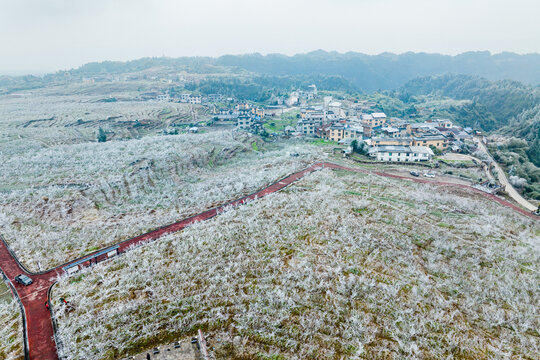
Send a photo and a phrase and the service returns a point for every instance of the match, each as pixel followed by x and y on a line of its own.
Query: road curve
pixel 39 334
pixel 509 188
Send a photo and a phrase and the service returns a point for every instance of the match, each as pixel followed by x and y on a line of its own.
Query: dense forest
pixel 527 127
pixel 496 101
pixel 264 88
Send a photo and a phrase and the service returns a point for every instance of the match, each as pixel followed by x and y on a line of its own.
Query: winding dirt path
pixel 39 336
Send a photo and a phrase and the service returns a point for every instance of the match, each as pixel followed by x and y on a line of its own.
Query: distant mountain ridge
pixel 367 72
pixel 390 71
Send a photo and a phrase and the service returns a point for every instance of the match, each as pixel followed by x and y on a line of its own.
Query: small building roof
pixel 390 129
pixel 401 149
pixel 421 150
pixel 430 137
pixel 337 127
pixel 390 148
pixel 392 138
pixel 424 125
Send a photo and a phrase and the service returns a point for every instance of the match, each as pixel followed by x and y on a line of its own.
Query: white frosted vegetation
pixel 67 200
pixel 321 270
pixel 42 118
pixel 11 341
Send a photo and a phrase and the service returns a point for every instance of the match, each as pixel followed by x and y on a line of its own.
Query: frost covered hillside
pixel 338 265
pixel 66 200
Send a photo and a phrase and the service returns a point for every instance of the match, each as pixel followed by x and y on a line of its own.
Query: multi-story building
pixel 401 153
pixel 163 97
pixel 227 114
pixel 334 133
pixel 338 132
pixel 195 99
pixel 353 132
pixel 244 121
pixel 335 107
pixel 258 112
pixel 318 117
pixel 215 98
pixel 445 124
pixel 307 127
pixel 390 131
pixel 388 141
pixel 312 89
pixel 438 141
pixel 185 97
pixel 374 119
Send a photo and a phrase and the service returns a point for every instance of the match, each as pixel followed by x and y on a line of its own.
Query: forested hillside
pixel 503 100
pixel 499 107
pixel 527 126
pixel 518 156
pixel 508 107
pixel 263 88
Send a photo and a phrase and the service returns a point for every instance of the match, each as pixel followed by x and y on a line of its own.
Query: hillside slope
pixel 501 100
pixel 96 194
pixel 321 270
pixel 367 72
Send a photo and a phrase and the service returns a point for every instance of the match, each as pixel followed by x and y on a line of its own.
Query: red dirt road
pixel 39 335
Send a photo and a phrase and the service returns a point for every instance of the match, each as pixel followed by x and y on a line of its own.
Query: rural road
pixel 38 324
pixel 504 180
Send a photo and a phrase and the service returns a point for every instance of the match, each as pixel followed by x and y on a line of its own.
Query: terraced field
pixel 67 200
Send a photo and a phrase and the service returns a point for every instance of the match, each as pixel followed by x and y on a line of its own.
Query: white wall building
pixel 163 97
pixel 195 100
pixel 307 127
pixel 401 153
pixel 244 121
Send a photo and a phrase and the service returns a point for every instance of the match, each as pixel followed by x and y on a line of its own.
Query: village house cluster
pixel 188 98
pixel 383 138
pixel 388 139
pixel 244 115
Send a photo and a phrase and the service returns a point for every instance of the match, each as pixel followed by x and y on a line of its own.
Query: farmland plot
pixel 338 265
pixel 34 121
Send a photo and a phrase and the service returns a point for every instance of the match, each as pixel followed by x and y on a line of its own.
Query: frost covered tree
pixel 101 136
pixel 323 270
pixel 11 340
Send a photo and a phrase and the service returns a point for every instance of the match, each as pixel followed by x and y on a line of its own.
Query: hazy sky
pixel 47 35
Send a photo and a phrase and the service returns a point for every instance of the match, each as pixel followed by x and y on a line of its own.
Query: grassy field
pixel 278 124
pixel 321 270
